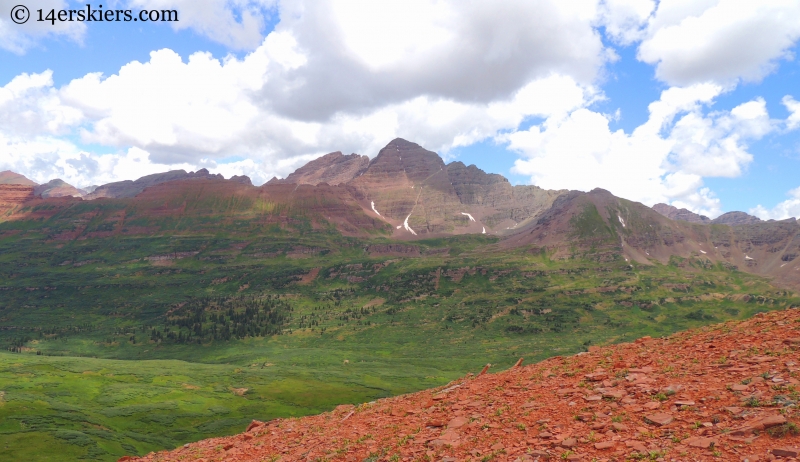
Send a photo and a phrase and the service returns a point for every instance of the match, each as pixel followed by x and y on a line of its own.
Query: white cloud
pixel 18 38
pixel 663 160
pixel 624 19
pixel 692 41
pixel 178 110
pixel 786 209
pixel 362 56
pixel 332 75
pixel 238 24
pixel 29 105
pixel 199 110
pixel 714 145
pixel 794 112
pixel 351 75
pixel 44 158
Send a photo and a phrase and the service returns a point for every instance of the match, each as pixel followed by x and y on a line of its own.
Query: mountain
pixel 128 188
pixel 290 299
pixel 334 168
pixel 202 204
pixel 598 225
pixel 407 192
pixel 57 188
pixel 412 189
pixel 736 218
pixel 632 401
pixel 730 218
pixel 675 213
pixel 9 177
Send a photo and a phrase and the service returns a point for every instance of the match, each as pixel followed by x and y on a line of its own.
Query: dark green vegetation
pixel 227 328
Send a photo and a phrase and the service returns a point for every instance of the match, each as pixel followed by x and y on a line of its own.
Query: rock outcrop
pixel 241 179
pixel 700 395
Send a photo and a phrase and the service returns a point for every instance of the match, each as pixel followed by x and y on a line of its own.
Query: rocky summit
pixel 724 392
pixel 334 168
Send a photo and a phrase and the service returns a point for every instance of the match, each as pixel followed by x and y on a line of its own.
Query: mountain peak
pixel 404 157
pixel 9 177
pixel 57 188
pixel 736 218
pixel 403 144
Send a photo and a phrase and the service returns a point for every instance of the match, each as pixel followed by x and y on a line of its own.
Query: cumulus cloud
pixel 351 75
pixel 18 38
pixel 178 110
pixel 29 106
pixel 786 209
pixel 663 160
pixel 182 110
pixel 363 55
pixel 719 40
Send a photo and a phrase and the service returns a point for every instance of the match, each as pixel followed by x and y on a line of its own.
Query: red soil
pixel 725 392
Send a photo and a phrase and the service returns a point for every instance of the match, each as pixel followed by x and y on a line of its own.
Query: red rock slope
pixel 726 392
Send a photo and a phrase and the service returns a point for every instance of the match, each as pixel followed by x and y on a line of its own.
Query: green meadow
pixel 126 345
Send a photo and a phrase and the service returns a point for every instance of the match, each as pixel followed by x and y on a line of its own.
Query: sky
pixel 694 103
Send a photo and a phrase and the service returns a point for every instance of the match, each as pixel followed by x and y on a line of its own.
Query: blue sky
pixel 686 103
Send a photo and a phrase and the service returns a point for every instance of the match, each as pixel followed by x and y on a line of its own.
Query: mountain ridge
pixel 407 193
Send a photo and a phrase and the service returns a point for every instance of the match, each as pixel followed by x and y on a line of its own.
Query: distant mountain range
pixel 730 218
pixel 407 192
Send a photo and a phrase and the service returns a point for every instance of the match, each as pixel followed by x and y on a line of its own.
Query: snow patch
pixel 373 208
pixel 748 258
pixel 470 216
pixel 702 251
pixel 783 265
pixel 399 226
pixel 621 221
pixel 484 230
pixel 408 228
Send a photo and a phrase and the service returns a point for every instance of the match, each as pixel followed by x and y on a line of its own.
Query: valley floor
pixel 724 392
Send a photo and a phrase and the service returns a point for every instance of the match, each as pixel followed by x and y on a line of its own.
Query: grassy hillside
pixel 226 328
